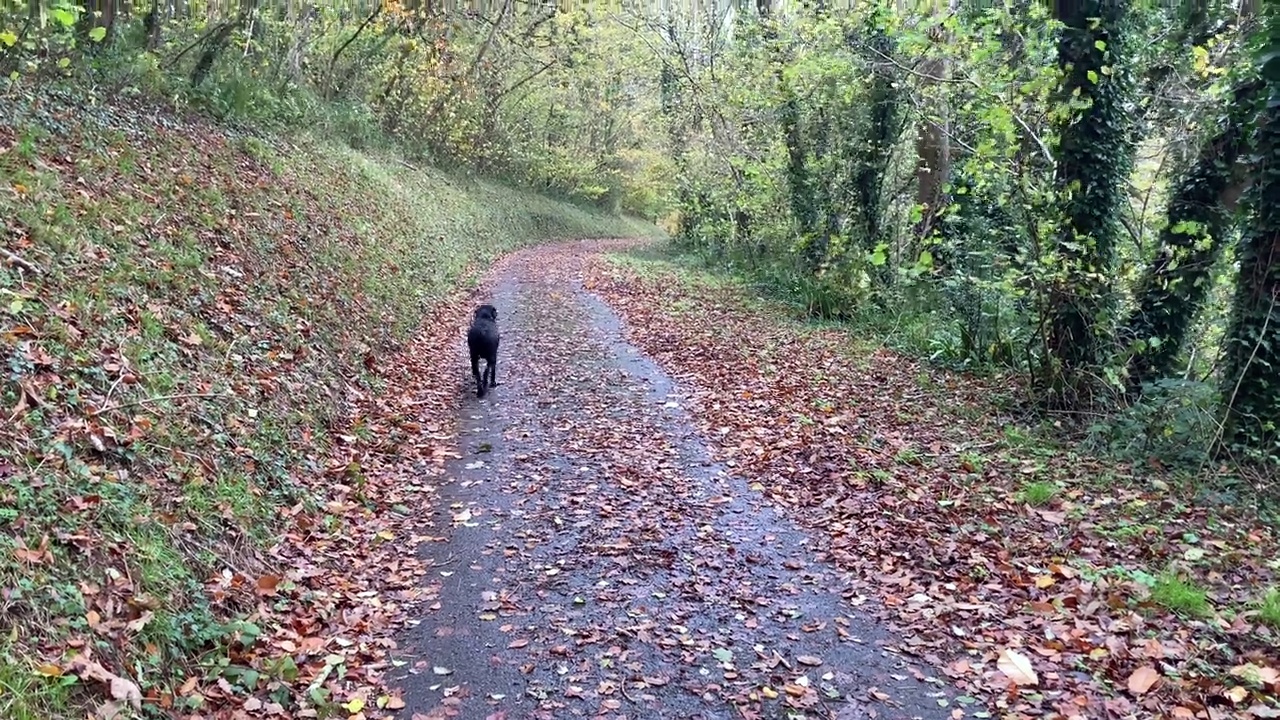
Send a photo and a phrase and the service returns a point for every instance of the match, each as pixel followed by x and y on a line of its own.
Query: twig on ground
pixel 445 563
pixel 21 262
pixel 147 401
pixel 622 686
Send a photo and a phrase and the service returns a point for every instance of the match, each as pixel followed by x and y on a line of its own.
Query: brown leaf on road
pixel 1017 667
pixel 1143 679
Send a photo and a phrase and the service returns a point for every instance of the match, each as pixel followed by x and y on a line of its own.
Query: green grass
pixel 973 462
pixel 1269 608
pixel 248 277
pixel 1038 493
pixel 908 456
pixel 659 262
pixel 25 695
pixel 1180 596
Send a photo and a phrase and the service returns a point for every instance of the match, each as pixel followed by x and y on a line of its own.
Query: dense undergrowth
pixel 184 312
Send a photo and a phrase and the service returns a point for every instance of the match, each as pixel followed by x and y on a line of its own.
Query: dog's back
pixel 482 337
pixel 482 342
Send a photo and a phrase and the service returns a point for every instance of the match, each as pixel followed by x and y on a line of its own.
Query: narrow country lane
pixel 593 562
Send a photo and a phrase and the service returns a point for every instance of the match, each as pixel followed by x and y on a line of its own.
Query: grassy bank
pixel 184 313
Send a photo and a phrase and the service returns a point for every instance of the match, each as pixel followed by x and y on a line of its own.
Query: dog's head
pixel 487 312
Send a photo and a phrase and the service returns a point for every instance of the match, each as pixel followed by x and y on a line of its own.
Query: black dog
pixel 482 341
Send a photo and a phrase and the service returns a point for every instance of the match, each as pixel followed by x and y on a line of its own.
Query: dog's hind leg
pixel 491 367
pixel 475 373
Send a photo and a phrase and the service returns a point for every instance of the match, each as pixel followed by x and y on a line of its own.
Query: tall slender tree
pixel 886 117
pixel 803 207
pixel 1251 372
pixel 933 146
pixel 1200 217
pixel 1094 156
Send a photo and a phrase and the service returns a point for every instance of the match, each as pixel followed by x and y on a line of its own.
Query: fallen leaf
pixel 1143 679
pixel 1255 674
pixel 120 688
pixel 1017 668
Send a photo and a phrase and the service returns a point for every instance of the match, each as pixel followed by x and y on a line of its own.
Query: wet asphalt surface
pixel 593 561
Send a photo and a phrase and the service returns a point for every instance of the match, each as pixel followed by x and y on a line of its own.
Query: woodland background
pixel 1070 194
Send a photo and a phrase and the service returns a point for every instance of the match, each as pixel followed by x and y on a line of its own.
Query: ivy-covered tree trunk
pixel 1174 286
pixel 153 23
pixel 669 98
pixel 218 39
pixel 885 120
pixel 1251 371
pixel 1094 157
pixel 798 187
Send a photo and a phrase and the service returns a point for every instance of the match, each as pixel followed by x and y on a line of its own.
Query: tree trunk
pixel 871 162
pixel 154 24
pixel 218 39
pixel 933 147
pixel 798 186
pixel 1176 283
pixel 1094 157
pixel 1251 370
pixel 100 13
pixel 297 49
pixel 329 82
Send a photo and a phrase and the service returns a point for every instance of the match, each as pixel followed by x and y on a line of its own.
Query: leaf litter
pixel 354 577
pixel 1036 611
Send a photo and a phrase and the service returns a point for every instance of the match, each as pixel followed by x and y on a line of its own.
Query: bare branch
pixel 967 80
pixel 21 262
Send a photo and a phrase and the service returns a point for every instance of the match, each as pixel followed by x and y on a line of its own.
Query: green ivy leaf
pixel 925 263
pixel 1093 77
pixel 8 38
pixel 64 16
pixel 64 62
pixel 1100 44
pixel 97 34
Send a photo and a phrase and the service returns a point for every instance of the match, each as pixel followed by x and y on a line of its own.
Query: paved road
pixel 597 563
